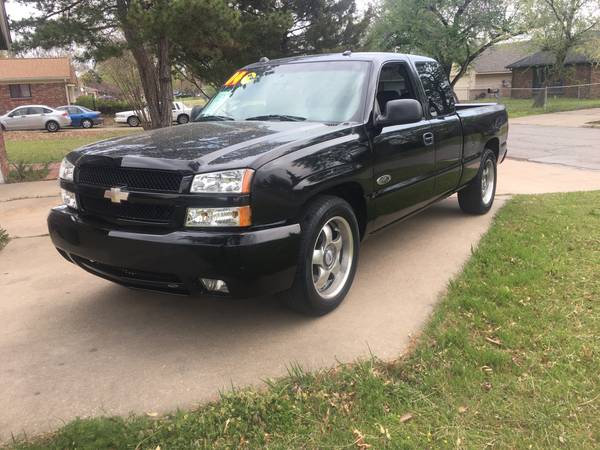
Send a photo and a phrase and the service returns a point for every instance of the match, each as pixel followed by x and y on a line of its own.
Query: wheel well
pixel 494 145
pixel 353 194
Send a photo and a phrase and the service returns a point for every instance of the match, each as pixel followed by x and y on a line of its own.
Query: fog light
pixel 69 198
pixel 215 285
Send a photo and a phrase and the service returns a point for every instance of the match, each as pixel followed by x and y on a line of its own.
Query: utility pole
pixel 4 44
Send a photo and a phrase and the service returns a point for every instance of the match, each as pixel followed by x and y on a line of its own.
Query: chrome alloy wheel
pixel 487 182
pixel 332 257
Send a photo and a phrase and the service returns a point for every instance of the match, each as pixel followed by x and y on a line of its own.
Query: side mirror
pixel 399 112
pixel 196 110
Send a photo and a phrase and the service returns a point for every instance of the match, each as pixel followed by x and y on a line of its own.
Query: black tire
pixel 133 121
pixel 303 295
pixel 472 199
pixel 52 126
pixel 87 123
pixel 183 119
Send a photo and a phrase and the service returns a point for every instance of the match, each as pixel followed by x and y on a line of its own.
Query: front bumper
pixel 97 120
pixel 120 119
pixel 252 263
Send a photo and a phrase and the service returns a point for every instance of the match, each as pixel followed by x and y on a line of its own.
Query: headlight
pixel 225 182
pixel 69 198
pixel 66 170
pixel 218 217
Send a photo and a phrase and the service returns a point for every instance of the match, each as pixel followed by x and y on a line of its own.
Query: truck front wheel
pixel 328 257
pixel 478 196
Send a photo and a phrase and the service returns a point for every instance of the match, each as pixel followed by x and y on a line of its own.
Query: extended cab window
pixel 393 84
pixel 437 88
pixel 331 92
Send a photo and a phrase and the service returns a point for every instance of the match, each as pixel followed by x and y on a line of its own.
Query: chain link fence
pixel 539 97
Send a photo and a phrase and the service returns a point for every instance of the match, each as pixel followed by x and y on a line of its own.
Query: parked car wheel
pixel 183 118
pixel 87 123
pixel 52 126
pixel 478 196
pixel 133 121
pixel 328 257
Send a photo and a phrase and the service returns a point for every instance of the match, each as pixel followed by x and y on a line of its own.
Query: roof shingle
pixel 496 59
pixel 36 69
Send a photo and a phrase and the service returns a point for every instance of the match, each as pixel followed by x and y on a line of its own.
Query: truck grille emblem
pixel 116 195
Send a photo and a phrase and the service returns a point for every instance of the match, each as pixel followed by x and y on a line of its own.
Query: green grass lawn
pixel 192 101
pixel 46 147
pixel 510 359
pixel 524 107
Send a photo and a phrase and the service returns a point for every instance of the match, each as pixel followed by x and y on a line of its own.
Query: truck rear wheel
pixel 478 196
pixel 328 257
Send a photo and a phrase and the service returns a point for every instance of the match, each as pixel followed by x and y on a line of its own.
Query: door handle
pixel 428 139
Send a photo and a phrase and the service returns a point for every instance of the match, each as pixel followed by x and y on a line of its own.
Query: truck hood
pixel 208 145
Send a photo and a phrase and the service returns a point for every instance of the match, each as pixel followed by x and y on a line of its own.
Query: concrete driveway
pixel 75 345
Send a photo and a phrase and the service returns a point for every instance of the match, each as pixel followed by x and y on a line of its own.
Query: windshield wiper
pixel 281 117
pixel 211 118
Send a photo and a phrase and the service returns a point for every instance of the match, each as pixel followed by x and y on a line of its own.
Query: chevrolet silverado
pixel 274 184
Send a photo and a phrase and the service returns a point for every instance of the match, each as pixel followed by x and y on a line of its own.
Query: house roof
pixel 4 32
pixel 496 59
pixel 36 69
pixel 546 58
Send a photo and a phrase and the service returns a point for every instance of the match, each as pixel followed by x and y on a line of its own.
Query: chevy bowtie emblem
pixel 116 195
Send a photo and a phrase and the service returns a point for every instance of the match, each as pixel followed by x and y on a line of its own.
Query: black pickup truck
pixel 273 185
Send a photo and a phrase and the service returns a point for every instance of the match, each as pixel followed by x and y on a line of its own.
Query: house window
pixel 20 90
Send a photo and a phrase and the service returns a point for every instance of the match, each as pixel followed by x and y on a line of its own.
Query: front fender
pixel 283 186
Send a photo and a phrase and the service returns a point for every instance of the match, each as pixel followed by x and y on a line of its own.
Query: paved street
pixel 74 345
pixel 575 147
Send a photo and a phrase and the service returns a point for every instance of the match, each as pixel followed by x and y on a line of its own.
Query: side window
pixel 18 112
pixel 437 88
pixel 74 110
pixel 34 110
pixel 393 84
pixel 46 110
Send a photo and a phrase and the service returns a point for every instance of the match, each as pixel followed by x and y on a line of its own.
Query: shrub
pixel 3 238
pixel 22 171
pixel 105 106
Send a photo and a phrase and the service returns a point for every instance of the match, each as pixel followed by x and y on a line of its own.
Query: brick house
pixel 530 74
pixel 38 81
pixel 488 72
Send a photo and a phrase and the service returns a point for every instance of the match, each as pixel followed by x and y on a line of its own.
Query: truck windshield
pixel 329 92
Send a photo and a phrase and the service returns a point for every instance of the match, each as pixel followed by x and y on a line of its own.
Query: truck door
pixel 446 126
pixel 404 154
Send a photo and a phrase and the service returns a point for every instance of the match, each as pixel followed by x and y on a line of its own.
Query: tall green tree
pixel 154 31
pixel 278 28
pixel 203 39
pixel 454 32
pixel 565 26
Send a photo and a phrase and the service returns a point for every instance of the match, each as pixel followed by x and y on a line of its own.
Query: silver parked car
pixel 35 117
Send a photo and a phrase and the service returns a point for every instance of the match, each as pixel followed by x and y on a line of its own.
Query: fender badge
pixel 383 179
pixel 116 195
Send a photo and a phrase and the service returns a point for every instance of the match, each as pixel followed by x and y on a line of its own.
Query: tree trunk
pixel 165 83
pixel 155 78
